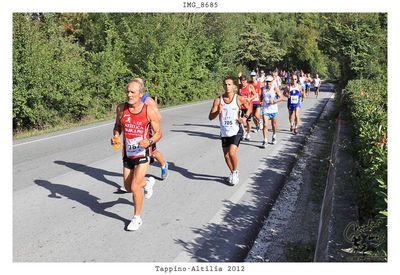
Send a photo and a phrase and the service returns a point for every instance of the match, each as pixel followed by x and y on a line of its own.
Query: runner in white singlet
pixel 227 107
pixel 270 98
pixel 317 84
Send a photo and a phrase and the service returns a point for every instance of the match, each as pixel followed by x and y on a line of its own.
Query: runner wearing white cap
pixel 270 98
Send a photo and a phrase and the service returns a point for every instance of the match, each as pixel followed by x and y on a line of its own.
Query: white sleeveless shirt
pixel 228 118
pixel 316 82
pixel 268 95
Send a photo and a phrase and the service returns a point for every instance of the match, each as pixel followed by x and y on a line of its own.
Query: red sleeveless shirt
pixel 245 92
pixel 258 92
pixel 135 127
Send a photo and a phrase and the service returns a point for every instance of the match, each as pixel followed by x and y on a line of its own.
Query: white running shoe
pixel 247 136
pixel 235 177
pixel 135 223
pixel 261 125
pixel 273 140
pixel 148 189
pixel 229 178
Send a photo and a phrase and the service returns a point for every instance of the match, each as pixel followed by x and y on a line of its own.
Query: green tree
pixel 109 72
pixel 256 49
pixel 360 43
pixel 48 73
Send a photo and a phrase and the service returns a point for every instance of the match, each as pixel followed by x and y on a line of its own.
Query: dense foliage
pixel 69 66
pixel 367 106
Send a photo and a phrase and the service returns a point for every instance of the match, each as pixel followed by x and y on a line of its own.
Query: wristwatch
pixel 150 141
pixel 246 116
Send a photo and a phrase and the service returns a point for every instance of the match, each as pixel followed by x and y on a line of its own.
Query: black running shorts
pixel 227 141
pixel 130 163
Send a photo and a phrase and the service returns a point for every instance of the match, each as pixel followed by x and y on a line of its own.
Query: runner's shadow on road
pixel 198 125
pixel 197 134
pixel 194 176
pixel 96 173
pixel 58 191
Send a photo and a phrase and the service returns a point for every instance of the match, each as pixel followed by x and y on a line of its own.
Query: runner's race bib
pixel 132 147
pixel 256 98
pixel 294 99
pixel 227 120
pixel 228 123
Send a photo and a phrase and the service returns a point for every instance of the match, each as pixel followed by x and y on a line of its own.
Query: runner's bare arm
pixel 152 103
pixel 118 126
pixel 280 96
pixel 286 91
pixel 261 99
pixel 155 124
pixel 243 101
pixel 239 75
pixel 253 92
pixel 215 110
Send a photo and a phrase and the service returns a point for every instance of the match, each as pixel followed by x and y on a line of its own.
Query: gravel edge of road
pixel 269 245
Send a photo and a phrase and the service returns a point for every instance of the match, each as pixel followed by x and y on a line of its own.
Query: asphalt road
pixel 67 208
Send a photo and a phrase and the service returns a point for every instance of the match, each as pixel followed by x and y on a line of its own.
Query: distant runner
pixel 308 84
pixel 134 119
pixel 248 92
pixel 256 101
pixel 227 107
pixel 277 80
pixel 317 84
pixel 261 78
pixel 270 98
pixel 302 81
pixel 293 92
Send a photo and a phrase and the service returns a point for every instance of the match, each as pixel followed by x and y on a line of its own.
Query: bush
pixel 366 102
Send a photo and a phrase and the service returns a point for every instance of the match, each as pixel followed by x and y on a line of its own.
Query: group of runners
pixel 257 99
pixel 138 122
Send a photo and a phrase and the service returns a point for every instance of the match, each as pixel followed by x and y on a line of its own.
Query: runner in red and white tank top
pixel 256 101
pixel 247 91
pixel 136 127
pixel 134 119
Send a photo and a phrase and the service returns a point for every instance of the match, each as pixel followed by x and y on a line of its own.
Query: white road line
pixel 15 145
pixel 161 110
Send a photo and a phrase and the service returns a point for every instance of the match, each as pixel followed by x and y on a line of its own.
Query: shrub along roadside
pixel 366 102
